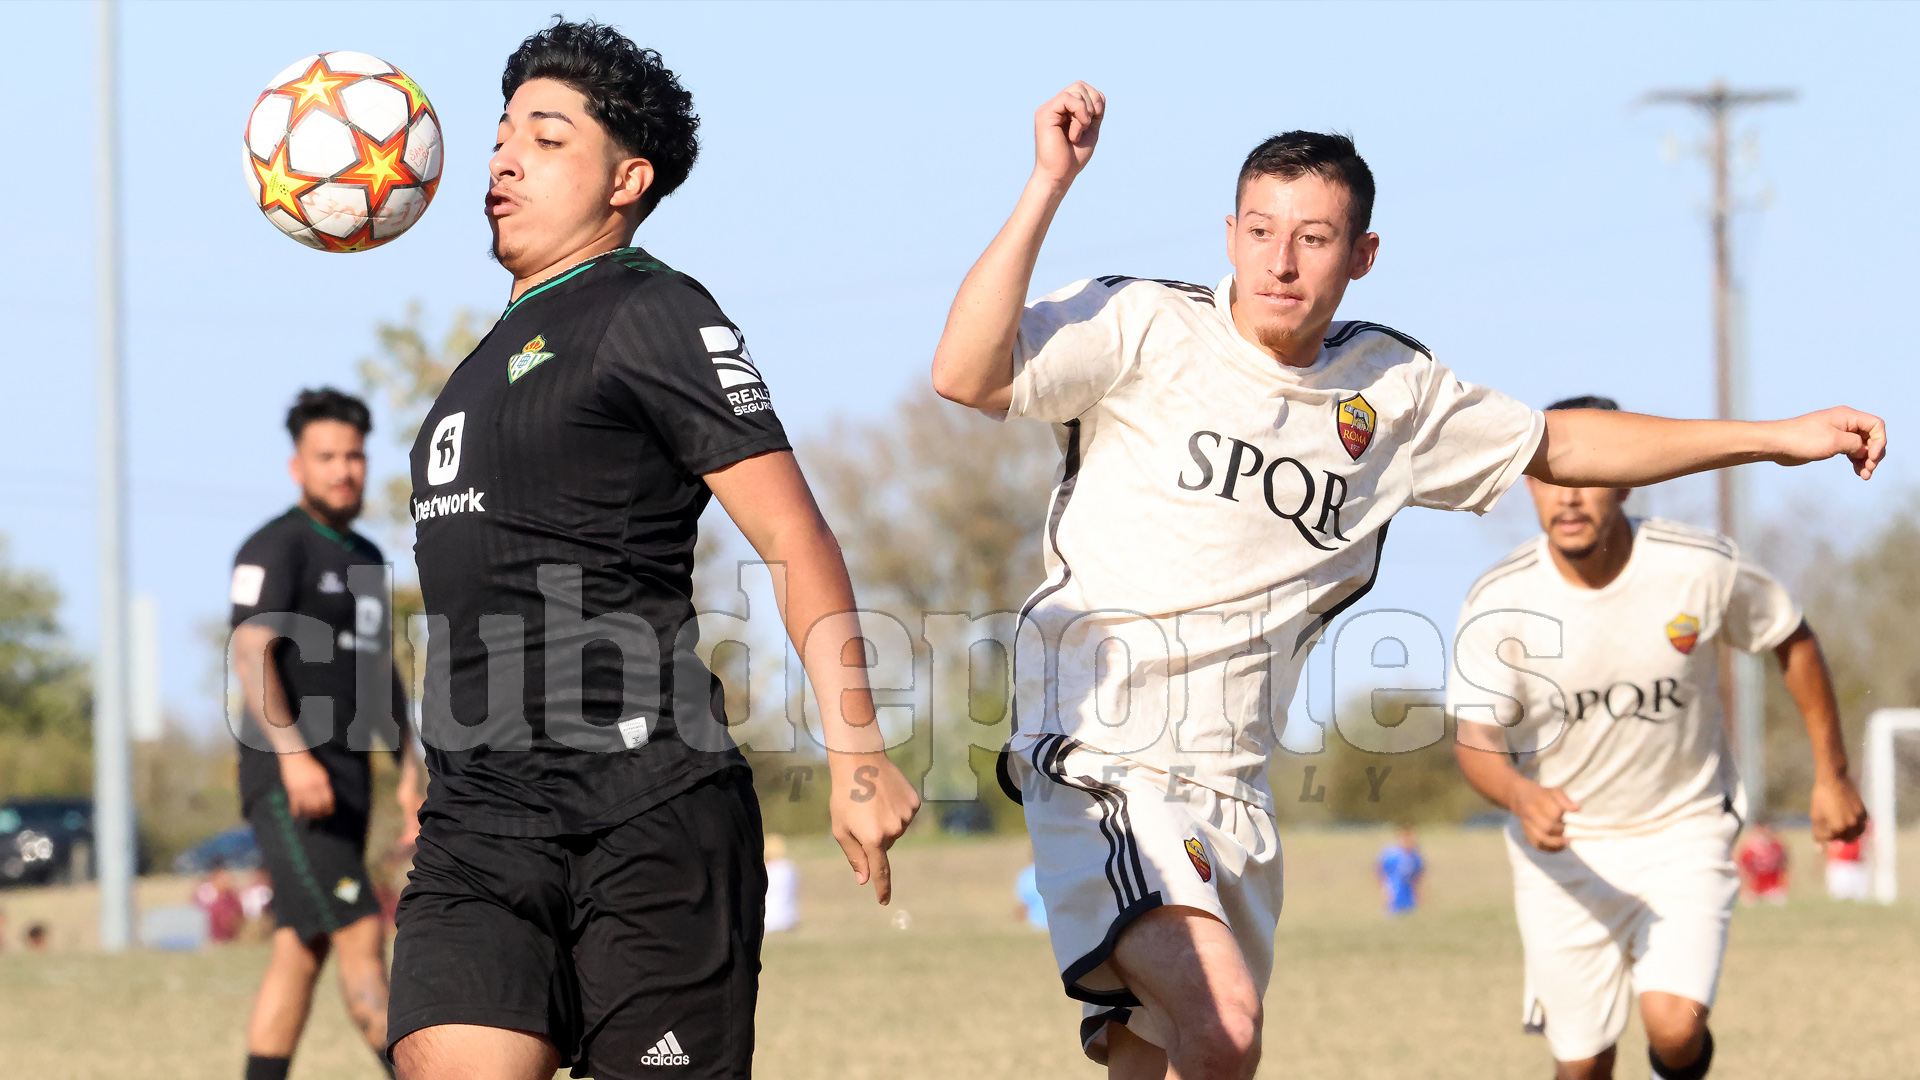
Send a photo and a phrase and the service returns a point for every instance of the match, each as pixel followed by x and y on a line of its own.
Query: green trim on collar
pixel 345 540
pixel 631 257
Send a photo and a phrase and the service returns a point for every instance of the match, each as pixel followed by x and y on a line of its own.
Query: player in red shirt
pixel 1763 866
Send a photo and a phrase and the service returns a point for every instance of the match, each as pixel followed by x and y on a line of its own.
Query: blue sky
pixel 857 157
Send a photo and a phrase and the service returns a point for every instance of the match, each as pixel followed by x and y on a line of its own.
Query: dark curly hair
pixel 327 403
pixel 1293 154
pixel 1586 401
pixel 628 90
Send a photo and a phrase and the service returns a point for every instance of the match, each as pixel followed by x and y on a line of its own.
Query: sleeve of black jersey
pixel 673 364
pixel 266 574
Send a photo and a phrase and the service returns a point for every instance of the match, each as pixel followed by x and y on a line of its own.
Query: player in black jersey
pixel 588 887
pixel 312 593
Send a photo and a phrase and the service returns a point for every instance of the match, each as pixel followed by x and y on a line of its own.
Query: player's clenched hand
pixel 309 791
pixel 1861 437
pixel 872 804
pixel 1064 131
pixel 1543 815
pixel 1836 810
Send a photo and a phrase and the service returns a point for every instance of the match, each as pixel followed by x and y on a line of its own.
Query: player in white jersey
pixel 1231 460
pixel 1586 686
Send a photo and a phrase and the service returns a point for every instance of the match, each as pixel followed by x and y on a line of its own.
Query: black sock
pixel 267 1068
pixel 1695 1071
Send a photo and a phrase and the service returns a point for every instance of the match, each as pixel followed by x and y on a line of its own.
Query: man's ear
pixel 1365 250
pixel 1233 222
pixel 631 179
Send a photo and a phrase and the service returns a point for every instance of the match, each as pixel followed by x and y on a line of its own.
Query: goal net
pixel 1887 772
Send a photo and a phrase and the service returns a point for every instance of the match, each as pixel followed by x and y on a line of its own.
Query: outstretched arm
pixel 871 803
pixel 1597 448
pixel 973 364
pixel 1836 809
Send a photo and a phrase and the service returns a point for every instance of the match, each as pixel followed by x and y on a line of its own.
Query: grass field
pixel 1814 990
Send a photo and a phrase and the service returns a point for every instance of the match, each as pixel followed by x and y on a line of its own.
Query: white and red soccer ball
pixel 343 151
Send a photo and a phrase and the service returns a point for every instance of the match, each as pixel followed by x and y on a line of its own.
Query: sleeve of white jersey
pixel 1502 677
pixel 1075 346
pixel 1760 612
pixel 1480 688
pixel 1470 443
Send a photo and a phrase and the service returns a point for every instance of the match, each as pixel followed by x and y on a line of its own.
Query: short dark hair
pixel 1293 154
pixel 629 91
pixel 1585 401
pixel 327 403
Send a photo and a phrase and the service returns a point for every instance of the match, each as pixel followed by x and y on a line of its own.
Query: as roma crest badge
pixel 1684 632
pixel 1198 854
pixel 1355 418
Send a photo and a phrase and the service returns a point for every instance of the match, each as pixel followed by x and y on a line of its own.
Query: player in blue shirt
pixel 1399 870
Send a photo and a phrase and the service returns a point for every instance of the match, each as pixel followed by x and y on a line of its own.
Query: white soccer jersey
pixel 1614 693
pixel 1216 509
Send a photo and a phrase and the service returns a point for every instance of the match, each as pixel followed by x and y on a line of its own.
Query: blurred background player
pixel 1232 458
pixel 306 780
pixel 1399 870
pixel 1586 686
pixel 1847 877
pixel 591 820
pixel 783 887
pixel 220 899
pixel 1764 865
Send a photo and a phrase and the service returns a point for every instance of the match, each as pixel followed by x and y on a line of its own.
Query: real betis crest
pixel 530 356
pixel 1355 420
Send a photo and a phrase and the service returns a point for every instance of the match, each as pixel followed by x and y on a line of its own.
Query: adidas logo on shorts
pixel 666 1052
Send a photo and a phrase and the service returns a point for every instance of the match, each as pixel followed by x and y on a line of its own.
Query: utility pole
pixel 112 768
pixel 1743 683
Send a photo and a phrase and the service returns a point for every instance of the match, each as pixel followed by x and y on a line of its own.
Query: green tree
pixel 46 700
pixel 407 376
pixel 1864 603
pixel 940 509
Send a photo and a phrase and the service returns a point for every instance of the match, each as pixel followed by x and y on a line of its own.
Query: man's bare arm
pixel 973 364
pixel 1599 448
pixel 309 790
pixel 1836 809
pixel 1480 750
pixel 871 802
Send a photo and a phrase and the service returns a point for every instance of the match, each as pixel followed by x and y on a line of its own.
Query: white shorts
pixel 1607 919
pixel 1112 840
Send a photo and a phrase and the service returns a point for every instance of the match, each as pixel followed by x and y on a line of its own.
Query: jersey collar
pixel 321 527
pixel 630 255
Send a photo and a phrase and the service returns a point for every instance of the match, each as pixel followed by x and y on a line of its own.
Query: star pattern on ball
pixel 416 97
pixel 360 239
pixel 280 185
pixel 379 168
pixel 317 88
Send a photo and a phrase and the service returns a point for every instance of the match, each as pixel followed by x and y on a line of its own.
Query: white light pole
pixel 112 769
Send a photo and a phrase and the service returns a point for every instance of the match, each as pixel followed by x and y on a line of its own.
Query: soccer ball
pixel 342 151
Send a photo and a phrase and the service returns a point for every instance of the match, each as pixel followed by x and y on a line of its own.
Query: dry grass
pixel 1815 990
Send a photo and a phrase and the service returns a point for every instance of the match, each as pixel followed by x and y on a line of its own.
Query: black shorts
pixel 318 867
pixel 631 948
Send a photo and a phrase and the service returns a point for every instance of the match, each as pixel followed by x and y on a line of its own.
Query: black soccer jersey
pixel 326 591
pixel 556 493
